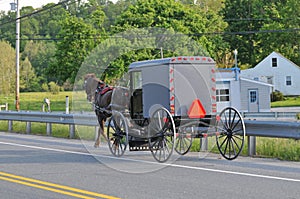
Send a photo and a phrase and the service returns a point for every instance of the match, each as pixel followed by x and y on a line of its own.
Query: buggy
pixel 171 102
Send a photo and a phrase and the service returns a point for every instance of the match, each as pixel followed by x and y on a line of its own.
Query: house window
pixel 253 96
pixel 288 80
pixel 274 62
pixel 222 95
pixel 256 78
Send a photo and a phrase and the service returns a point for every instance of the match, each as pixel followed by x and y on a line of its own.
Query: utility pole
pixel 15 6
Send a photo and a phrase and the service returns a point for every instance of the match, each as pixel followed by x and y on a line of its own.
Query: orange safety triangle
pixel 196 110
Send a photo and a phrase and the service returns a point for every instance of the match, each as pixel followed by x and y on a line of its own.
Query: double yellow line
pixel 61 189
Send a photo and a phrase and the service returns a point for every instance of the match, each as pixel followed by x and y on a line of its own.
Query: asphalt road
pixel 45 167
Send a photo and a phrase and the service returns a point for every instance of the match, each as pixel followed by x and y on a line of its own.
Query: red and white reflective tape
pixel 172 90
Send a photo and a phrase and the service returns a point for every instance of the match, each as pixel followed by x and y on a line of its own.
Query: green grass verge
pixel 282 149
pixel 288 102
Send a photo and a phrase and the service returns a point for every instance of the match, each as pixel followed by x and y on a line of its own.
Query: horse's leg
pixel 97 142
pixel 102 131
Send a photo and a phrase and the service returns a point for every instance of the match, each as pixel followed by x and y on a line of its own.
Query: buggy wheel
pixel 161 132
pixel 117 134
pixel 230 133
pixel 183 142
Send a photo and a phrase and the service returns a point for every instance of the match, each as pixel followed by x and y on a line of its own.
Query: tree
pixel 257 28
pixel 28 79
pixel 201 25
pixel 40 55
pixel 282 34
pixel 243 16
pixel 7 66
pixel 79 39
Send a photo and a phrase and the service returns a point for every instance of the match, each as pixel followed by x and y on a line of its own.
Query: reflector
pixel 196 110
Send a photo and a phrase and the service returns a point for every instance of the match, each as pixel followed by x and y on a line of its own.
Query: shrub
pixel 277 96
pixel 54 88
pixel 45 87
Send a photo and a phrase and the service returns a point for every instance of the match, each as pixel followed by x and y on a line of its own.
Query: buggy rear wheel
pixel 230 134
pixel 183 142
pixel 161 132
pixel 117 134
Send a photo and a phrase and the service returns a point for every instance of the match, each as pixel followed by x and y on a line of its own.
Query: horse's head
pixel 90 85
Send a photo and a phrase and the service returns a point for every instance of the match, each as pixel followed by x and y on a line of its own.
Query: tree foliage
pixel 56 40
pixel 78 40
pixel 257 28
pixel 7 66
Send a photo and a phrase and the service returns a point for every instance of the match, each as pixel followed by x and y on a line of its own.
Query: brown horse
pixel 104 99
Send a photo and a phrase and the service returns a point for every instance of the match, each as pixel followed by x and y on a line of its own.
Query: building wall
pixel 264 71
pixel 263 96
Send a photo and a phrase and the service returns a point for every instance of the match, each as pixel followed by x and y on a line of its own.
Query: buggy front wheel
pixel 161 135
pixel 230 133
pixel 117 134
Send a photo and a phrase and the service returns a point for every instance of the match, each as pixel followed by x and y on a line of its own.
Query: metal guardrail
pixel 278 129
pixel 270 115
pixel 49 118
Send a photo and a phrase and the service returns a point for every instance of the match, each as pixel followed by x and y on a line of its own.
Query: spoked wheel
pixel 117 134
pixel 230 133
pixel 161 132
pixel 183 142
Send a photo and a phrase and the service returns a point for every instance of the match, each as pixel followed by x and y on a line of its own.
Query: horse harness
pixel 101 89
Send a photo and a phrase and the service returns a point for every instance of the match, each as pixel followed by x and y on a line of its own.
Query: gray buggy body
pixel 173 102
pixel 175 84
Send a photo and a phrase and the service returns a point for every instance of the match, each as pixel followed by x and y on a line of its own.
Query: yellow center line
pixel 64 189
pixel 45 188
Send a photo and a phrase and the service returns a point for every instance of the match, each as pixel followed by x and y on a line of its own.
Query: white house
pixel 277 70
pixel 244 94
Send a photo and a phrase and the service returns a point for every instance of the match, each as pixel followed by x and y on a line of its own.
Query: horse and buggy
pixel 169 102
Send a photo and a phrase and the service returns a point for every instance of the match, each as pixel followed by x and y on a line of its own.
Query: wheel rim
pixel 230 134
pixel 117 134
pixel 183 143
pixel 161 135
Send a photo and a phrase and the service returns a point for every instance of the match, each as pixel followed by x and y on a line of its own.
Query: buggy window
pixel 136 80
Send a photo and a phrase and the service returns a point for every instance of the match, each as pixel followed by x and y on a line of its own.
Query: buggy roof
pixel 173 60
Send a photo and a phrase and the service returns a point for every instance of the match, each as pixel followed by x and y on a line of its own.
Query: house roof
pixel 280 55
pixel 256 82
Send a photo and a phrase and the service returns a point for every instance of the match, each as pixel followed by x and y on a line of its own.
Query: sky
pixel 5 4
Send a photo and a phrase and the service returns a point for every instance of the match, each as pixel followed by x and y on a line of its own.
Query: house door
pixel 253 102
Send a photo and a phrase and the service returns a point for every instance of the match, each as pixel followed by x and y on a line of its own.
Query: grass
pixel 287 102
pixel 33 101
pixel 284 149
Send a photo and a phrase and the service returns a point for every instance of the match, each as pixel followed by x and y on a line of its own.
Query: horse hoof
pixel 96 145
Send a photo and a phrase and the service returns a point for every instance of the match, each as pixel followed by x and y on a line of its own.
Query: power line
pixel 97 36
pixel 40 10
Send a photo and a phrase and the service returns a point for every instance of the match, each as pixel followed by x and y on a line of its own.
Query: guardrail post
pixel 10 125
pixel 72 131
pixel 67 105
pixel 48 129
pixel 28 127
pixel 251 145
pixel 204 144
